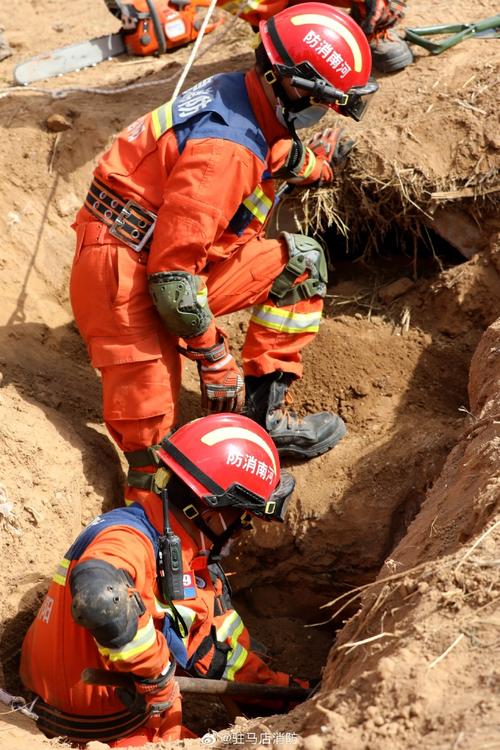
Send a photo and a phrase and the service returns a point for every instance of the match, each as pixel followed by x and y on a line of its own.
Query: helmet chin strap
pixel 192 514
pixel 296 156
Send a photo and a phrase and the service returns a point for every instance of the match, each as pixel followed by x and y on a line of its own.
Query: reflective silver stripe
pixel 143 639
pixel 258 204
pixel 62 572
pixel 312 163
pixel 237 656
pixel 188 615
pixel 162 119
pixel 229 626
pixel 285 321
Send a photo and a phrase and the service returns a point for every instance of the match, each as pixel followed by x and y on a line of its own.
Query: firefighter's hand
pixel 377 15
pixel 221 380
pixel 151 696
pixel 333 148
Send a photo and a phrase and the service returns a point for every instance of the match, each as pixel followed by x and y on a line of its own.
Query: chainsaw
pixel 149 27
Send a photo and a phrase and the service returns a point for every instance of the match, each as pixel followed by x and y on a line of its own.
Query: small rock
pixel 416 709
pixel 361 389
pixel 423 587
pixel 58 27
pixel 390 292
pixel 386 668
pixel 57 123
pixel 68 204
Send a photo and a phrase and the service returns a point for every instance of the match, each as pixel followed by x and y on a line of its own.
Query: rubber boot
pixel 389 52
pixel 303 437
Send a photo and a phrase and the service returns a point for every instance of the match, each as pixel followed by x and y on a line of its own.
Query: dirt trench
pixel 408 493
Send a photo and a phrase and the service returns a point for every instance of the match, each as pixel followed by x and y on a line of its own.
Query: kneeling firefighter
pixel 171 236
pixel 155 26
pixel 141 589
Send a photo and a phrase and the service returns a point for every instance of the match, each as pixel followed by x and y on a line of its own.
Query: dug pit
pixel 399 519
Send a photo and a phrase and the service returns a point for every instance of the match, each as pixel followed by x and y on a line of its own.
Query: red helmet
pixel 323 51
pixel 229 460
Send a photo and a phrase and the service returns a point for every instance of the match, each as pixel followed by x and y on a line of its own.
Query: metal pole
pixel 201 686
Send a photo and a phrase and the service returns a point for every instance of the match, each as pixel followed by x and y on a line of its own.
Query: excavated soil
pixel 385 576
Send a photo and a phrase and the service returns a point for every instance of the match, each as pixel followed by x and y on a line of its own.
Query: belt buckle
pixel 118 231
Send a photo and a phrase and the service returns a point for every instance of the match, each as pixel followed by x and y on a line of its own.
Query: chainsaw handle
pixel 160 36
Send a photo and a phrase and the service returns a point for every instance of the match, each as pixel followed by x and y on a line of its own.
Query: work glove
pixel 221 380
pixel 377 15
pixel 151 696
pixel 333 148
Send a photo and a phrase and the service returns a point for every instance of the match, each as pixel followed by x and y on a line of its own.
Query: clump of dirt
pixel 398 521
pixel 426 155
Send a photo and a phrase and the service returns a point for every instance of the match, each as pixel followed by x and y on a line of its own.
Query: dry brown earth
pixel 406 505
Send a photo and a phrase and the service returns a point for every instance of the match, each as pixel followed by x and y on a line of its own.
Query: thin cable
pixel 196 45
pixel 62 92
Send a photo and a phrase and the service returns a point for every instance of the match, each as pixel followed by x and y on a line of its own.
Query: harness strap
pixel 219 659
pixel 143 480
pixel 191 468
pixel 128 221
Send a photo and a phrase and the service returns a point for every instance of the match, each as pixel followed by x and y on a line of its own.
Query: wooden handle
pixel 202 687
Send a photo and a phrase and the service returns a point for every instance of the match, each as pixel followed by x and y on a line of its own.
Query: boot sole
pixel 398 62
pixel 314 450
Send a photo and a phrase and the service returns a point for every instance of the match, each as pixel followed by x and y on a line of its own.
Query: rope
pixel 196 46
pixel 63 92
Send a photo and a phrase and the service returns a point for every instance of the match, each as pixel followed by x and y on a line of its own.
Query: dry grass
pixel 365 208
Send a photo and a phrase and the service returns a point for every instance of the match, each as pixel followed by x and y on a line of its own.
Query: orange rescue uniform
pixel 56 649
pixel 254 11
pixel 196 186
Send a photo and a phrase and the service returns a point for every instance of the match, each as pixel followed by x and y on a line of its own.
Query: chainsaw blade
pixel 68 59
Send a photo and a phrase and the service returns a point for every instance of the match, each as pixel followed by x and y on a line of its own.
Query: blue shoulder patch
pixel 218 107
pixel 134 516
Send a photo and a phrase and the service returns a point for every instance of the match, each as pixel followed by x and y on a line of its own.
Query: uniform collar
pixel 263 110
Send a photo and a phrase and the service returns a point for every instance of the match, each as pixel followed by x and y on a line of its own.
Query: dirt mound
pixel 404 506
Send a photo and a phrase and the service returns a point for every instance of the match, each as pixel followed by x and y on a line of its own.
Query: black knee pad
pixel 105 602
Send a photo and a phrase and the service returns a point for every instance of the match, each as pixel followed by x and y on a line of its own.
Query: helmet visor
pixel 237 496
pixel 277 505
pixel 358 100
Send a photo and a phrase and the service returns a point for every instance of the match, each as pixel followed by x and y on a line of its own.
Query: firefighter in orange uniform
pixel 172 235
pixel 116 603
pixel 161 25
pixel 377 18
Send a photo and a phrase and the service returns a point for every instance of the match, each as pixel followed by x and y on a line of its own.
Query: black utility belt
pixel 83 729
pixel 126 220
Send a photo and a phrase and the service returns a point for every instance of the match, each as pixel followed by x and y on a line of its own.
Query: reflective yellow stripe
pixel 187 614
pixel 285 321
pixel 162 119
pixel 143 639
pixel 238 655
pixel 229 626
pixel 62 572
pixel 258 204
pixel 202 297
pixel 312 163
